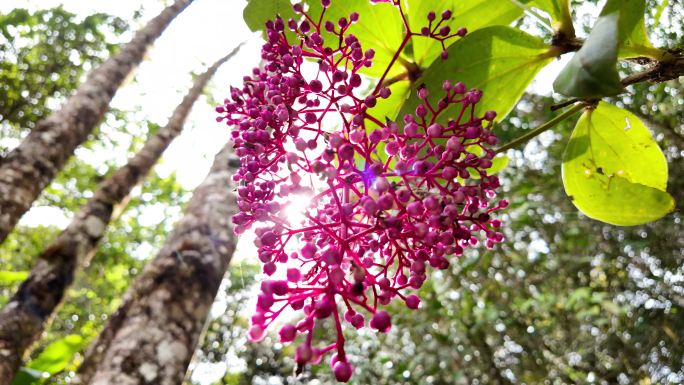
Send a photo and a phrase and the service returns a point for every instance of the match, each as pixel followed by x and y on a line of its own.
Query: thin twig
pixel 544 127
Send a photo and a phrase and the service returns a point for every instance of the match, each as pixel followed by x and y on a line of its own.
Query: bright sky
pixel 204 32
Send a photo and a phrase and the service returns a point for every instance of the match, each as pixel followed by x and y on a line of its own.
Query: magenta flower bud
pixel 421 110
pixel 425 31
pixel 349 314
pixel 490 115
pixel 403 195
pixel 310 118
pixel 264 301
pixel 392 148
pixel 354 17
pixel 375 136
pixel 411 129
pixel 434 130
pixel 357 321
pixel 357 136
pixel 332 256
pixel 269 268
pixel 300 144
pixel 415 209
pixel 386 202
pixel 381 184
pixel 303 354
pixel 370 207
pixel 346 152
pixel 323 308
pixel 454 144
pixel 385 92
pixel 258 319
pixel 255 333
pixel 342 371
pixel 412 301
pixel 462 32
pixel 287 333
pixel 279 287
pixel 449 173
pixel 423 93
pixel 316 85
pixel 336 140
pixel 446 15
pixel 472 132
pixel 293 274
pixel 268 238
pixel 370 101
pixel 381 321
pixel 444 31
pixel 336 276
pixel 431 16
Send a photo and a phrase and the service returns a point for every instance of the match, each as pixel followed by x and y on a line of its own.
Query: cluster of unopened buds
pixel 380 203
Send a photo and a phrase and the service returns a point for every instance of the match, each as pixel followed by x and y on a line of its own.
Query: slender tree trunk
pixel 23 319
pixel 152 336
pixel 29 168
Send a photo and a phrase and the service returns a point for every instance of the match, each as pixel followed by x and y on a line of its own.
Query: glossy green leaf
pixel 12 277
pixel 614 171
pixel 633 40
pixel 471 14
pixel 28 376
pixel 388 108
pixel 553 7
pixel 57 355
pixel 592 70
pixel 501 61
pixel 258 12
pixel 379 27
pixel 659 12
pixel 498 163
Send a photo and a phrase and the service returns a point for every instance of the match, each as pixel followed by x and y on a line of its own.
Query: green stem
pixel 566 27
pixel 544 127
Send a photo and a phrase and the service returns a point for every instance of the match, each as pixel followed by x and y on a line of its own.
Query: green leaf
pixel 379 27
pixel 12 277
pixel 633 40
pixel 498 163
pixel 57 355
pixel 614 171
pixel 258 12
pixel 388 108
pixel 592 70
pixel 28 376
pixel 471 14
pixel 500 61
pixel 659 12
pixel 552 7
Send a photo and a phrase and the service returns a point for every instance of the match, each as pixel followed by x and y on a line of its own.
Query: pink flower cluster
pixel 382 202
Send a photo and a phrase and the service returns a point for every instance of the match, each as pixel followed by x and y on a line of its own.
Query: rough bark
pixel 29 168
pixel 152 336
pixel 24 318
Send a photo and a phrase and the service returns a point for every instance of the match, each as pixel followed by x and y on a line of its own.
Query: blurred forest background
pixel 565 300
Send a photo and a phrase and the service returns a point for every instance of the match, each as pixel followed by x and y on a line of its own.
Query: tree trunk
pixel 23 319
pixel 152 336
pixel 29 168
